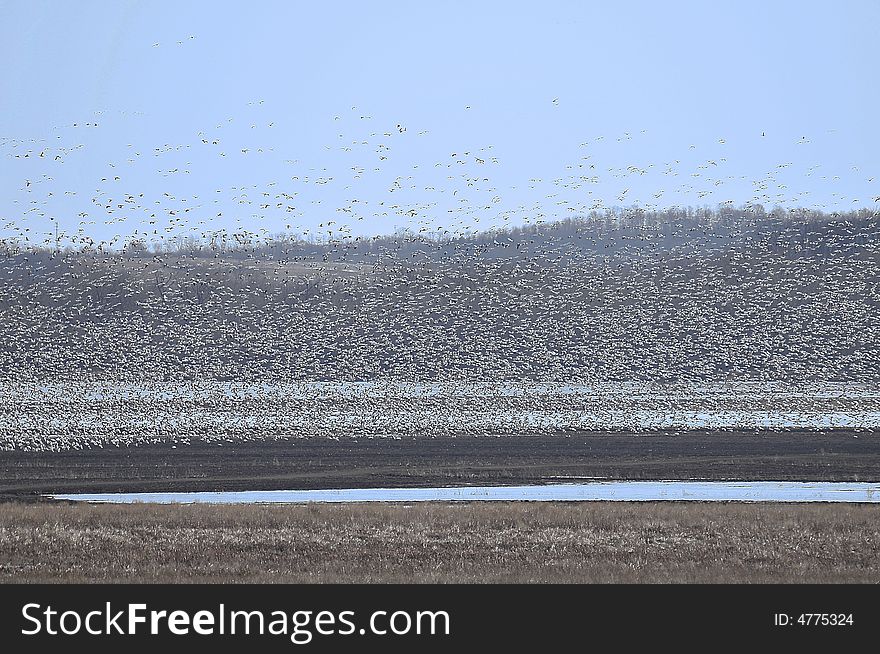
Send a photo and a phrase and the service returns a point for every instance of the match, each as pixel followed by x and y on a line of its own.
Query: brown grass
pixel 491 542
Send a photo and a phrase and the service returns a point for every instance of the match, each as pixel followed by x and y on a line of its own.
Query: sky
pixel 153 119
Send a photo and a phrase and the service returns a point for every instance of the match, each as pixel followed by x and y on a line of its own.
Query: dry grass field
pixel 488 542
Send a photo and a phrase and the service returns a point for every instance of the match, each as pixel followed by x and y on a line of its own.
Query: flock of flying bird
pixel 181 329
pixel 376 179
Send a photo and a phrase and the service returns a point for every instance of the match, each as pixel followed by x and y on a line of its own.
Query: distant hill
pixel 681 295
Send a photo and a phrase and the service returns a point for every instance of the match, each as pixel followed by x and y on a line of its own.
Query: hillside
pixel 685 296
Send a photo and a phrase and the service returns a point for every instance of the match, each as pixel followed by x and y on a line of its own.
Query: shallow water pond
pixel 613 491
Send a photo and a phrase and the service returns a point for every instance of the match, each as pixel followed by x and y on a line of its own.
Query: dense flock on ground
pixel 624 320
pixel 76 415
pixel 678 296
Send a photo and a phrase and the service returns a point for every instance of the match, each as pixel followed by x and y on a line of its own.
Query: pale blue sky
pixel 598 104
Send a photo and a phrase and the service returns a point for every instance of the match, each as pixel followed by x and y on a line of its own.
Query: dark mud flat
pixel 466 460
